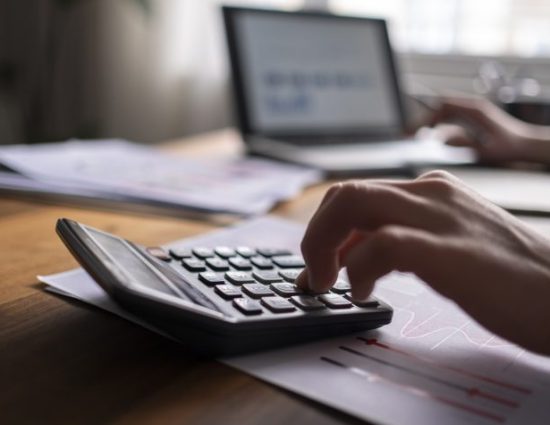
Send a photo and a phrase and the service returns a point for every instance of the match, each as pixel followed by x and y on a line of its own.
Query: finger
pixel 390 248
pixel 362 207
pixel 473 111
pixel 461 142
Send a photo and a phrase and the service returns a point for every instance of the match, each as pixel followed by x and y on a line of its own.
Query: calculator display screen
pixel 132 264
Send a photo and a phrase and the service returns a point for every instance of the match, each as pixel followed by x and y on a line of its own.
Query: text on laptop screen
pixel 305 74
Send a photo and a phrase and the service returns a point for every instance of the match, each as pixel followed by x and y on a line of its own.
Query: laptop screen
pixel 312 74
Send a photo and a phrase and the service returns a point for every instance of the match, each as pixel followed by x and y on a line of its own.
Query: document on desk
pixel 432 365
pixel 120 170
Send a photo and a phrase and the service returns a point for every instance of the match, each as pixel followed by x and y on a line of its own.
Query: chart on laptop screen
pixel 304 73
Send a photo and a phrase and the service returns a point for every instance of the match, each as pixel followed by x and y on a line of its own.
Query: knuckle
pixel 349 191
pixel 334 188
pixel 440 184
pixel 437 174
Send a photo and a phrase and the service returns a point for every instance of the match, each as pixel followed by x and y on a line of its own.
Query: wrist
pixel 536 147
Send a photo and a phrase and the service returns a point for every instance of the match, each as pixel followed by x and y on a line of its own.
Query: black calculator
pixel 219 300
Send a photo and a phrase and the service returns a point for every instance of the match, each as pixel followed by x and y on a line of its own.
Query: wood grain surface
pixel 63 362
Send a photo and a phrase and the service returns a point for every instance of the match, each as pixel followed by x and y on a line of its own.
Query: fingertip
pixel 302 281
pixel 360 292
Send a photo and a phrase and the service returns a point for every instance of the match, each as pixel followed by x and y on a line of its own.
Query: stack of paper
pixel 118 170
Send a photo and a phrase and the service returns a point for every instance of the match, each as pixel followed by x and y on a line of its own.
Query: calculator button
pixel 262 262
pixel 289 261
pixel 245 252
pixel 224 252
pixel 335 301
pixel 267 276
pixel 247 306
pixel 238 278
pixel 228 292
pixel 158 252
pixel 257 290
pixel 290 275
pixel 273 252
pixel 286 289
pixel 211 278
pixel 193 265
pixel 217 264
pixel 278 305
pixel 369 302
pixel 341 287
pixel 179 253
pixel 307 302
pixel 240 263
pixel 203 252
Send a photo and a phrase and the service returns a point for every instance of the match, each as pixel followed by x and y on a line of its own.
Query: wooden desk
pixel 62 362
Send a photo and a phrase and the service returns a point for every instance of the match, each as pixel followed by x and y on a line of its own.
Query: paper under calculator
pixel 219 300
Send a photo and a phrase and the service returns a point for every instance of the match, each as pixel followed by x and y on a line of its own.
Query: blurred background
pixel 151 70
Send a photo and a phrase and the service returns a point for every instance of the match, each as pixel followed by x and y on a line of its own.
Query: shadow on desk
pixel 83 366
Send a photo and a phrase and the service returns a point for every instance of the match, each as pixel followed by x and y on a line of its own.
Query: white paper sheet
pixel 431 365
pixel 119 169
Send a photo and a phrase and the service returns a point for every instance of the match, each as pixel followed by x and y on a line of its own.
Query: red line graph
pixel 503 384
pixel 417 391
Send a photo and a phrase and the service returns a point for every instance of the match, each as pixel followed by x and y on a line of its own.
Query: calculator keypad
pixel 193 264
pixel 211 278
pixel 217 264
pixel 267 276
pixel 247 306
pixel 262 281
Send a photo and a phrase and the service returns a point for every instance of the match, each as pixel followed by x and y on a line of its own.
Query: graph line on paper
pixel 508 385
pixel 472 392
pixel 416 391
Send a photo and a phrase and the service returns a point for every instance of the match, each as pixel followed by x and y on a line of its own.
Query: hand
pixel 469 250
pixel 496 135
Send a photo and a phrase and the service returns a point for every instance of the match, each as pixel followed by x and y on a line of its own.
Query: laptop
pixel 323 90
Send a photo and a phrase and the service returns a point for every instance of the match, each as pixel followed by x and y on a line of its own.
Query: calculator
pixel 219 300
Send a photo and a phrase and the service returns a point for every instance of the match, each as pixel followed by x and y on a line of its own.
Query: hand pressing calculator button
pixel 206 299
